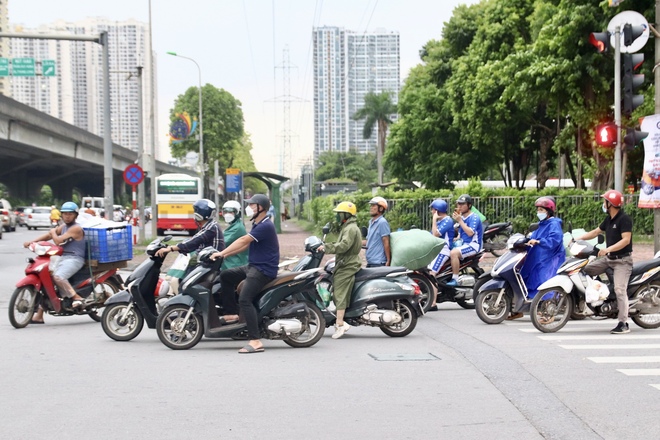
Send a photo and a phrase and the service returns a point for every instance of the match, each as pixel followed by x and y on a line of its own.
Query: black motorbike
pixel 383 297
pixel 127 311
pixel 496 236
pixel 286 309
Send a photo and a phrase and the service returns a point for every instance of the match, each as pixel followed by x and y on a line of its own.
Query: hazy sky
pixel 237 43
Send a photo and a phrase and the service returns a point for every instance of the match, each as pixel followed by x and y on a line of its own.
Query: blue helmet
pixel 204 209
pixel 69 207
pixel 439 205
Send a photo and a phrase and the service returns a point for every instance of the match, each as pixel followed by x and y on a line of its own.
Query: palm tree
pixel 377 110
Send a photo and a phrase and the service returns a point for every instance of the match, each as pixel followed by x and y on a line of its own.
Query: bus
pixel 175 195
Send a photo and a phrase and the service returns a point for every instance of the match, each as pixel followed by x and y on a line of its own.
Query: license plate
pixel 177 227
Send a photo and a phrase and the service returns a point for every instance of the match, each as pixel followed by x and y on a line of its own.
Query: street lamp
pixel 201 132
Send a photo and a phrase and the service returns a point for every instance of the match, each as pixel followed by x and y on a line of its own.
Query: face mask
pixel 248 211
pixel 604 208
pixel 338 217
pixel 541 215
pixel 229 217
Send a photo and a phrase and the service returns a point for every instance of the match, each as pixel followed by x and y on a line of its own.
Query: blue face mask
pixel 541 215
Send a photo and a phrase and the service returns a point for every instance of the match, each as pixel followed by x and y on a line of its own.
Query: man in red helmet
pixel 618 239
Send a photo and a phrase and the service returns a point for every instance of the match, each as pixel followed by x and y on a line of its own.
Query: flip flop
pixel 248 349
pixel 223 321
pixel 32 321
pixel 514 316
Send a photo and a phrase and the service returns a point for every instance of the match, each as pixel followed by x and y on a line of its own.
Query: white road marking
pixel 597 337
pixel 624 359
pixel 610 347
pixel 640 371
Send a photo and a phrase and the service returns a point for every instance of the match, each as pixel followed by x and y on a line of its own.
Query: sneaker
pixel 452 283
pixel 339 331
pixel 621 328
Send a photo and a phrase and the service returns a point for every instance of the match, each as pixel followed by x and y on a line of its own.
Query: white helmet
pixel 232 205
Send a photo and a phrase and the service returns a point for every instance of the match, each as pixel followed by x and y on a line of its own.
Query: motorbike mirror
pixel 601 239
pixel 570 227
pixel 167 238
pixel 533 227
pixel 364 231
pixel 326 228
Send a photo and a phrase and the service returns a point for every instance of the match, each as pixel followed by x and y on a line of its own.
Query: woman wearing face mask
pixel 547 249
pixel 231 213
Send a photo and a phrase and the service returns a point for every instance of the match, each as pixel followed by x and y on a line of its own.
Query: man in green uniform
pixel 348 262
pixel 231 212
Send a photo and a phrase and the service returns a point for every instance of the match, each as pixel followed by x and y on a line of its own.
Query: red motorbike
pixel 38 289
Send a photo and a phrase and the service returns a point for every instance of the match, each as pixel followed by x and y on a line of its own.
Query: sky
pixel 239 43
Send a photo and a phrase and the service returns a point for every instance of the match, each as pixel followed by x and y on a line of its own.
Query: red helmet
pixel 547 203
pixel 614 197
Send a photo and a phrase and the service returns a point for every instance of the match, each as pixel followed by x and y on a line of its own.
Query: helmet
pixel 204 209
pixel 69 207
pixel 52 206
pixel 260 200
pixel 346 207
pixel 546 202
pixel 380 202
pixel 614 197
pixel 232 205
pixel 464 198
pixel 439 205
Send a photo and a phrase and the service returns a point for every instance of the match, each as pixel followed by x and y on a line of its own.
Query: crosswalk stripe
pixel 624 359
pixel 596 337
pixel 564 330
pixel 527 322
pixel 610 347
pixel 640 371
pixel 655 385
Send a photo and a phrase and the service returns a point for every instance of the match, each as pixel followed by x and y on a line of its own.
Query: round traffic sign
pixel 133 175
pixel 632 18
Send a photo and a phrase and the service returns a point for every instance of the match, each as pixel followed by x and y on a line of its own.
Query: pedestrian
pixel 470 235
pixel 617 255
pixel 261 269
pixel 378 235
pixel 347 247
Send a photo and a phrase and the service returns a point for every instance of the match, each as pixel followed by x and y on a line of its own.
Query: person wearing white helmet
pixel 378 235
pixel 231 213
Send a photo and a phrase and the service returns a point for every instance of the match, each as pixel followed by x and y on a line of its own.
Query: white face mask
pixel 541 215
pixel 229 217
pixel 248 211
pixel 604 208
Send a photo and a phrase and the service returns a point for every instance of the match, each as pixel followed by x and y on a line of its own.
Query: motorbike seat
pixel 377 272
pixel 643 266
pixel 498 225
pixel 282 278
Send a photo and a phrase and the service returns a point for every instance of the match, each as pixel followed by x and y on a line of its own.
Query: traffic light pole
pixel 656 212
pixel 618 181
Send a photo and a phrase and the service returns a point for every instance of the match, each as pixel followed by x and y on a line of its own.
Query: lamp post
pixel 201 132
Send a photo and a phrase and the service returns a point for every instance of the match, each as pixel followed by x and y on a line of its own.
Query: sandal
pixel 248 349
pixel 225 321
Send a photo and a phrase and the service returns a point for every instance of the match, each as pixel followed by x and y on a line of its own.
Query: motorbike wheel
pixel 427 288
pixel 122 329
pixel 176 333
pixel 489 309
pixel 108 288
pixel 498 244
pixel 407 325
pixel 22 305
pixel 551 309
pixel 313 329
pixel 651 292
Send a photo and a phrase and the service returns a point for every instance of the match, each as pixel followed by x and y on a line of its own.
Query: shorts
pixel 469 249
pixel 440 260
pixel 68 266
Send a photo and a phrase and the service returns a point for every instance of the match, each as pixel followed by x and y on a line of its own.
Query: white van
pixel 96 203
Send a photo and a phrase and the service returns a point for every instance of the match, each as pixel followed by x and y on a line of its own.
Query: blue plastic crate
pixel 111 244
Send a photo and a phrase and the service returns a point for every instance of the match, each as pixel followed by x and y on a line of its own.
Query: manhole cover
pixel 405 357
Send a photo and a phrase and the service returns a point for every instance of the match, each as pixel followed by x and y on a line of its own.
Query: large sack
pixel 414 249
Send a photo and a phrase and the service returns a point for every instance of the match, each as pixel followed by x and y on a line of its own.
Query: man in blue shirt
pixel 443 227
pixel 378 236
pixel 470 235
pixel 264 256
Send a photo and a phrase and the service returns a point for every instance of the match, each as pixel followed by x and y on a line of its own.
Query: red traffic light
pixel 606 134
pixel 601 40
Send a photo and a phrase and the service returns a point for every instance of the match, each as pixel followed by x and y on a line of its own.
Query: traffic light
pixel 601 40
pixel 632 138
pixel 631 82
pixel 631 33
pixel 606 134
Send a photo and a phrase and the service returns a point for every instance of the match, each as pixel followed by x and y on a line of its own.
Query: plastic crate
pixel 107 245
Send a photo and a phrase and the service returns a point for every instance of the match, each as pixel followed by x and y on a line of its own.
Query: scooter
pixel 383 297
pixel 565 294
pixel 286 309
pixel 126 312
pixel 496 237
pixel 462 293
pixel 37 288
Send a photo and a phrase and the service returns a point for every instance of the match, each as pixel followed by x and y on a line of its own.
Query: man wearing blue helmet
pixel 71 237
pixel 443 227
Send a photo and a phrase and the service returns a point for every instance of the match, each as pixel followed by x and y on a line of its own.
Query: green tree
pixel 377 111
pixel 349 166
pixel 223 126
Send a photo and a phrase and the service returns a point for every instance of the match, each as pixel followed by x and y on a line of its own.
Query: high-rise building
pixel 4 45
pixel 347 66
pixel 75 93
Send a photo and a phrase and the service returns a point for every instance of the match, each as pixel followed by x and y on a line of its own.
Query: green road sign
pixel 4 66
pixel 22 67
pixel 48 67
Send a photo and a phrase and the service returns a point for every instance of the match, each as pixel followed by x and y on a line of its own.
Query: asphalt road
pixel 453 377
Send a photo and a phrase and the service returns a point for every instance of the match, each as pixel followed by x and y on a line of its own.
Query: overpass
pixel 37 149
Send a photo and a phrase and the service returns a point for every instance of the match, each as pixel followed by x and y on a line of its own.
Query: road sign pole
pixel 618 182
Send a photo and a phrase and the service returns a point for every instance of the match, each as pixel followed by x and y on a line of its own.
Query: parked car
pixel 9 219
pixel 38 217
pixel 20 215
